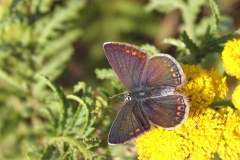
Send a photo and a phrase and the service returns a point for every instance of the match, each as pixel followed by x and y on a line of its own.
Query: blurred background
pixel 63 40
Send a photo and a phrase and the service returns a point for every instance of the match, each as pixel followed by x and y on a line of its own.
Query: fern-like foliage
pixel 36 38
pixel 69 120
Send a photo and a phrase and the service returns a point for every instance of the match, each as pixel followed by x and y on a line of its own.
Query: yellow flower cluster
pixel 202 87
pixel 205 132
pixel 231 57
pixel 199 82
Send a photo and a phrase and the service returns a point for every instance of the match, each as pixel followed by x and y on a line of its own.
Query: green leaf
pixel 80 86
pixel 175 42
pixel 216 14
pixel 81 116
pixel 193 48
pixel 64 104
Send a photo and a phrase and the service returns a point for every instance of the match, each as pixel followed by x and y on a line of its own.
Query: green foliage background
pixel 54 101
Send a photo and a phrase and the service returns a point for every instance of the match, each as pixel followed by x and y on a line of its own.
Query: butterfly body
pixel 152 99
pixel 148 93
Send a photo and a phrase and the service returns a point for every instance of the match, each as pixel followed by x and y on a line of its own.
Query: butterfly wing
pixel 168 112
pixel 127 61
pixel 129 123
pixel 163 70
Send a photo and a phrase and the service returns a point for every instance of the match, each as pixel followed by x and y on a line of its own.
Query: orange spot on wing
pixel 137 130
pixel 134 53
pixel 179 108
pixel 127 51
pixel 142 56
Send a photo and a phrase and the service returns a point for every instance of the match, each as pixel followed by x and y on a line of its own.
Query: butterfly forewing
pixel 168 112
pixel 163 70
pixel 130 122
pixel 127 61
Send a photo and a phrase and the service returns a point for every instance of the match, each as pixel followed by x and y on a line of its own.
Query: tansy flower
pixel 229 144
pixel 231 57
pixel 202 87
pixel 199 87
pixel 236 97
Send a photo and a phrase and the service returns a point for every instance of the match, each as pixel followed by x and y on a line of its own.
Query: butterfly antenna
pixel 117 95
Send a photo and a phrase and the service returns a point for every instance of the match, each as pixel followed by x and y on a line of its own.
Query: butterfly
pixel 152 82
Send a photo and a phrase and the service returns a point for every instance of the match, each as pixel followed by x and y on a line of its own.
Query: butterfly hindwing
pixel 127 61
pixel 130 122
pixel 160 70
pixel 168 112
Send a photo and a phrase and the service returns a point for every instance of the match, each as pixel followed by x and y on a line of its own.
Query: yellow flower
pixel 199 87
pixel 236 97
pixel 229 144
pixel 202 87
pixel 231 57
